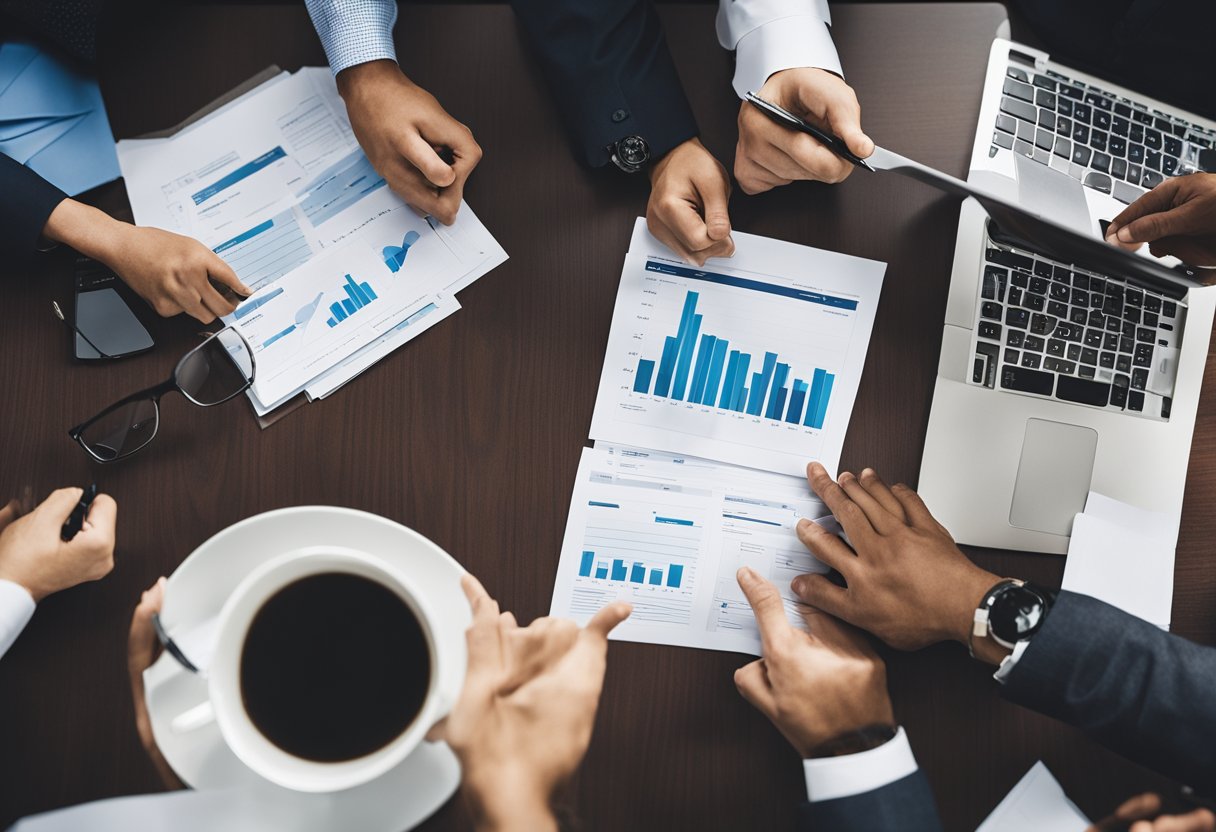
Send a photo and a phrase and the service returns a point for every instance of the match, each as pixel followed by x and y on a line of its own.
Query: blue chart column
pixel 673 348
pixel 797 399
pixel 618 570
pixel 701 368
pixel 777 400
pixel 687 345
pixel 637 573
pixel 675 572
pixel 737 397
pixel 760 384
pixel 728 387
pixel 715 372
pixel 816 394
pixel 667 364
pixel 641 382
pixel 584 568
pixel 821 407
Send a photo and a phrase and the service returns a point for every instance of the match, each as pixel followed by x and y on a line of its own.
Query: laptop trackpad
pixel 1053 476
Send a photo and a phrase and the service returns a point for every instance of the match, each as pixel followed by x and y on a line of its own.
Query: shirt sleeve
pixel 771 35
pixel 16 608
pixel 830 778
pixel 1010 662
pixel 354 32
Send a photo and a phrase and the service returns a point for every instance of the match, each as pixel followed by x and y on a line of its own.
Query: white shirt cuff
pixel 1010 661
pixel 785 43
pixel 16 608
pixel 829 778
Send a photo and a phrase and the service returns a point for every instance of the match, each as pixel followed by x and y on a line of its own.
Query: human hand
pixel 400 126
pixel 1177 217
pixel 33 556
pixel 687 210
pixel 769 155
pixel 908 583
pixel 141 652
pixel 523 721
pixel 816 686
pixel 1142 811
pixel 171 272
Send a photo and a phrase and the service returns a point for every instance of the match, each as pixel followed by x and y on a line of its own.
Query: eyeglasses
pixel 215 371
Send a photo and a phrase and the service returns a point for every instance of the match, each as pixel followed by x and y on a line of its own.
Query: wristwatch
pixel 1010 612
pixel 630 154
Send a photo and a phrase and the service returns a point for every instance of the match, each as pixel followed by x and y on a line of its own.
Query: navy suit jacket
pixel 1132 687
pixel 27 202
pixel 610 71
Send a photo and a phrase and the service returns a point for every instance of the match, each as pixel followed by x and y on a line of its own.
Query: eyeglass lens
pixel 217 369
pixel 122 431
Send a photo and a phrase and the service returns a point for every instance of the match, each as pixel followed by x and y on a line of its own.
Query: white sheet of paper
pixel 1155 524
pixel 769 343
pixel 1036 803
pixel 1121 566
pixel 667 533
pixel 233 810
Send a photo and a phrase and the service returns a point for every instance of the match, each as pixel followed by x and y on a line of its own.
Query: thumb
pixel 606 620
pixel 419 153
pixel 858 142
pixel 61 502
pixel 223 273
pixel 714 195
pixel 1152 227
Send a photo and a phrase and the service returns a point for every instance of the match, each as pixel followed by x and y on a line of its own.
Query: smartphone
pixel 104 316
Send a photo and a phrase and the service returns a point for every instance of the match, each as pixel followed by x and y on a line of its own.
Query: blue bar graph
pixel 700 368
pixel 674 573
pixel 601 572
pixel 637 574
pixel 584 568
pixel 641 384
pixel 656 577
pixel 618 570
pixel 358 295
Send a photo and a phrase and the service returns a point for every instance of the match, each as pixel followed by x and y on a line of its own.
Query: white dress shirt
pixel 829 778
pixel 354 31
pixel 16 608
pixel 771 35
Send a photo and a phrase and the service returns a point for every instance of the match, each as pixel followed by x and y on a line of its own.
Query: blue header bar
pixel 754 285
pixel 245 170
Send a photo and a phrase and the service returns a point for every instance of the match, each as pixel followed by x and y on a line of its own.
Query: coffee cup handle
pixel 193 719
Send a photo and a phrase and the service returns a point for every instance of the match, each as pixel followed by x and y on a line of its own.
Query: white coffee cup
pixel 225 705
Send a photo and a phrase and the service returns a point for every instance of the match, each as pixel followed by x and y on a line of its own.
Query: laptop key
pixel 1078 316
pixel 1089 356
pixel 1044 98
pixel 1106 360
pixel 1031 360
pixel 1096 319
pixel 1152 139
pixel 1080 155
pixel 1130 315
pixel 1082 113
pixel 1152 303
pixel 1097 140
pixel 1034 302
pixel 1082 391
pixel 1012 356
pixel 1019 318
pixel 1126 344
pixel 1044 82
pixel 1025 131
pixel 1116 146
pixel 1020 74
pixel 1064 125
pixel 1057 308
pixel 1009 258
pixel 1073 353
pixel 1110 341
pixel 1043 269
pixel 1038 285
pixel 1101 162
pixel 1118 394
pixel 1118 167
pixel 1173 146
pixel 990 330
pixel 1151 179
pixel 1014 338
pixel 1135 153
pixel 1119 126
pixel 1086 372
pixel 1123 363
pixel 1169 309
pixel 1022 109
pixel 1150 318
pixel 1102 119
pixel 1015 296
pixel 1135 401
pixel 1093 338
pixel 1025 380
pixel 1020 279
pixel 1063 148
pixel 1064 106
pixel 1057 365
pixel 1099 181
pixel 1152 160
pixel 1042 324
pixel 1145 334
pixel 993 278
pixel 1034 342
pixel 1165 407
pixel 1047 120
pixel 1169 165
pixel 1018 89
pixel 1099 101
pixel 1073 92
pixel 1143 356
pixel 1056 347
pixel 1080 133
pixel 1060 291
pixel 1139 379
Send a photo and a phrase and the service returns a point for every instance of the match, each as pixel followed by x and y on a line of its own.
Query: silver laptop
pixel 1060 372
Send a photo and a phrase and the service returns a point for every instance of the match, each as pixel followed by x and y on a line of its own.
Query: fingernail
pixel 1125 235
pixel 798 585
pixel 804 525
pixel 746 574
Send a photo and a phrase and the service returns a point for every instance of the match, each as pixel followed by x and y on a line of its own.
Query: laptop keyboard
pixel 1049 330
pixel 1109 143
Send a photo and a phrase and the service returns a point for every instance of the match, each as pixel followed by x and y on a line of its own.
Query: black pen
pixel 76 519
pixel 790 121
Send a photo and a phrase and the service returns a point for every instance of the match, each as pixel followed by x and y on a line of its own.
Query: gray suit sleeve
pixel 903 806
pixel 1147 694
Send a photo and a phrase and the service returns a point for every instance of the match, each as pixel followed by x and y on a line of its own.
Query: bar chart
pixel 358 295
pixel 704 372
pixel 634 571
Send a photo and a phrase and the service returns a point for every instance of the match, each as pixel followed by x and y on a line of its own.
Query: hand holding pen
pixel 61 543
pixel 775 151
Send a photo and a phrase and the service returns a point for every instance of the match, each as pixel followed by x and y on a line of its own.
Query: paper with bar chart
pixel 732 363
pixel 668 533
pixel 323 312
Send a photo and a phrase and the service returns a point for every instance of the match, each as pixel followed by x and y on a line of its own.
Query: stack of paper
pixel 1124 556
pixel 752 361
pixel 344 272
pixel 1037 802
pixel 53 121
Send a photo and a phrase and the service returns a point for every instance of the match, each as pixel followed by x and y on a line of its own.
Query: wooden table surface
pixel 460 435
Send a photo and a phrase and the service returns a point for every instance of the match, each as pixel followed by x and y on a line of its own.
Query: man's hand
pixel 1177 217
pixel 1142 812
pixel 687 210
pixel 401 128
pixel 523 721
pixel 814 686
pixel 33 556
pixel 171 272
pixel 142 648
pixel 769 155
pixel 908 583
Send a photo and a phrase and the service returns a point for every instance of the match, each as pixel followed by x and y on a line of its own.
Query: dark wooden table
pixel 459 436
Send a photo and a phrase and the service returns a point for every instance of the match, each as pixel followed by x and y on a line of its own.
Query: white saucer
pixel 196 592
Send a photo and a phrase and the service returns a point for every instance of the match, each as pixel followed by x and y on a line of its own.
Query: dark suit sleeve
pixel 26 201
pixel 1142 692
pixel 610 71
pixel 903 806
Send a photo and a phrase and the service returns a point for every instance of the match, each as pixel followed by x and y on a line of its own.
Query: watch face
pixel 633 150
pixel 1017 612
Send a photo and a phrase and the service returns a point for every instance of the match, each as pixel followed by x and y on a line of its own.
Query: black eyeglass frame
pixel 155 393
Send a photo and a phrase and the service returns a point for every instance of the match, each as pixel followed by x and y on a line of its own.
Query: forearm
pixel 90 231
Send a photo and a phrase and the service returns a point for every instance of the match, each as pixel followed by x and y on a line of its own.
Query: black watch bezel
pixel 1016 611
pixel 630 153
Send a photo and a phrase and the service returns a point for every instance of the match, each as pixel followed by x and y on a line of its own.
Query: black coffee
pixel 335 666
